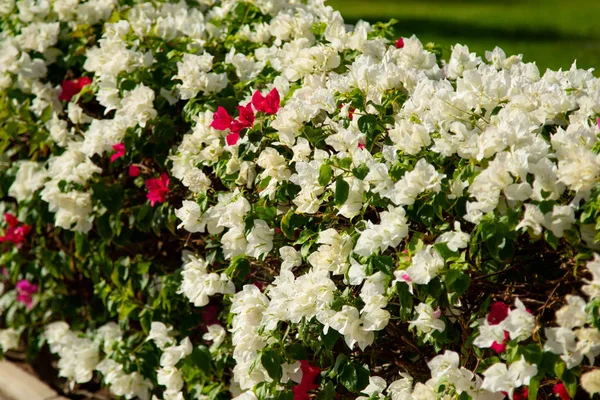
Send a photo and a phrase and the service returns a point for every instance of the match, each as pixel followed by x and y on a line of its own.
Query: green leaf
pixel 444 251
pixel 110 196
pixel 342 190
pixel 82 245
pixel 367 123
pixel 534 387
pixel 126 308
pixel 361 171
pixel 325 174
pixel 272 361
pixel 570 381
pixel 559 369
pixel 201 358
pixel 354 377
pixel 291 222
pixel 103 226
pixel 305 236
pixel 406 301
pixel 143 217
pixel 285 395
pixel 457 281
pixel 340 362
pixel 46 114
pixel 238 267
pixel 330 338
pixel 384 264
pixel 349 378
pixel 327 391
pixel 297 352
pixel 551 239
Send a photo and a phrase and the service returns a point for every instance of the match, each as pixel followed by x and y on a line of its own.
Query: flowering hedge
pixel 251 199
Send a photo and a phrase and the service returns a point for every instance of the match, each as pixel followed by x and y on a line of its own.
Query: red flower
pixel 119 149
pixel 14 234
pixel 209 315
pixel 309 373
pixel 268 104
pixel 500 347
pixel 232 138
pixel 561 391
pixel 221 119
pixel 24 292
pixel 72 87
pixel 521 395
pixel 158 188
pixel 399 43
pixel 498 312
pixel 134 171
pixel 246 117
pixel 11 220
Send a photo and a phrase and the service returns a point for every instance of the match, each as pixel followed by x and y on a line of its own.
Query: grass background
pixel 553 33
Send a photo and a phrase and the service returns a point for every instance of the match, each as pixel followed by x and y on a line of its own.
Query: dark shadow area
pixel 437 27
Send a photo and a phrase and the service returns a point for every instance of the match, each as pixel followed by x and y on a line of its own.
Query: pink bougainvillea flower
pixel 72 87
pixel 14 234
pixel 221 119
pixel 399 43
pixel 119 149
pixel 158 188
pixel 246 117
pixel 24 291
pixel 232 139
pixel 309 373
pixel 268 104
pixel 501 347
pixel 598 123
pixel 561 391
pixel 134 171
pixel 498 312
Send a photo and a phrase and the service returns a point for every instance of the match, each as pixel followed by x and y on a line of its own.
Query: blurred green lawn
pixel 553 33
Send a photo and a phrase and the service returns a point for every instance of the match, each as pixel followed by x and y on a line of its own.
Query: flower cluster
pixel 308 207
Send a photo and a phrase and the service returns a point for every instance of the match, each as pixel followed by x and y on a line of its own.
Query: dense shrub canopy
pixel 208 199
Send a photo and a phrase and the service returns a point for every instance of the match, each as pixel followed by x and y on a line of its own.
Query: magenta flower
pixel 498 313
pixel 119 149
pixel 268 104
pixel 246 116
pixel 134 171
pixel 158 188
pixel 15 233
pixel 399 43
pixel 309 374
pixel 72 87
pixel 24 291
pixel 221 119
pixel 561 391
pixel 232 138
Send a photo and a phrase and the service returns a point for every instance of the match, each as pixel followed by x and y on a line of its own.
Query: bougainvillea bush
pixel 215 199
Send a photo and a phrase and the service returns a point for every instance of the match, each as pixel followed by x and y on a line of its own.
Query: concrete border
pixel 16 384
